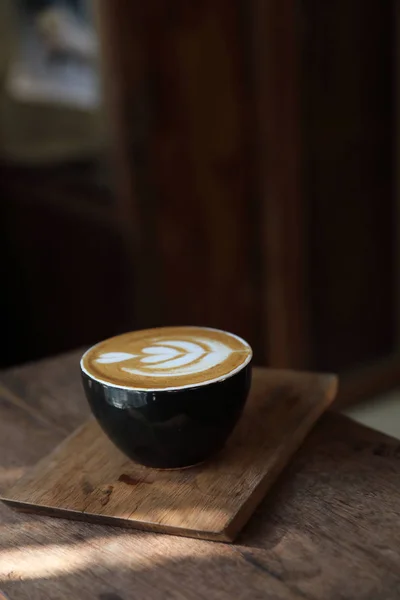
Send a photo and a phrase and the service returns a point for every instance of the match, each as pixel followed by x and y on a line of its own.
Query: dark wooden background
pixel 252 147
pixel 348 135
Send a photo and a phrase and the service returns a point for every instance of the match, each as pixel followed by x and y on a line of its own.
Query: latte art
pixel 170 358
pixel 167 358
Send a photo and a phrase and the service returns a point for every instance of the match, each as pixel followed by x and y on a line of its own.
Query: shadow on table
pixel 128 566
pixel 328 530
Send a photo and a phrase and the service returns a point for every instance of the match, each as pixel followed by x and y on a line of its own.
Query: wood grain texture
pixel 40 404
pixel 274 63
pixel 317 535
pixel 327 530
pixel 87 478
pixel 348 180
pixel 51 390
pixel 182 113
pixel 246 139
pixel 25 438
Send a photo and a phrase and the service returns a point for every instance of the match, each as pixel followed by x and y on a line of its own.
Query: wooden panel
pixel 185 109
pixel 206 102
pixel 257 157
pixel 348 149
pixel 122 31
pixel 275 65
pixel 396 161
pixel 199 155
pixel 88 478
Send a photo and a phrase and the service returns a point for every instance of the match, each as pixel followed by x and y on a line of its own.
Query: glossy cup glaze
pixel 169 429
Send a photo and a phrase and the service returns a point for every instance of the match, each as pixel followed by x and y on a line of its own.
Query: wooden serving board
pixel 87 478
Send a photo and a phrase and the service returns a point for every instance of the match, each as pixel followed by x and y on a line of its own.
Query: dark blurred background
pixel 230 163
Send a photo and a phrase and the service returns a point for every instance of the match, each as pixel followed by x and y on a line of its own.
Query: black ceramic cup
pixel 157 417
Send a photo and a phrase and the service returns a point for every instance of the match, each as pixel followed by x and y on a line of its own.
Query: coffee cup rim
pixel 175 387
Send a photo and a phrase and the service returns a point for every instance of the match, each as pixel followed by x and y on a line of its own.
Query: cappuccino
pixel 166 358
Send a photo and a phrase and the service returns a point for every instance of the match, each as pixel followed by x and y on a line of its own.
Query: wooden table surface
pixel 330 529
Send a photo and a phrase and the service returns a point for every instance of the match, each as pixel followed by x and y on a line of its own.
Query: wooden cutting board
pixel 87 478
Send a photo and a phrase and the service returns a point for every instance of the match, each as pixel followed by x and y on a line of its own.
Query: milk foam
pixel 169 358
